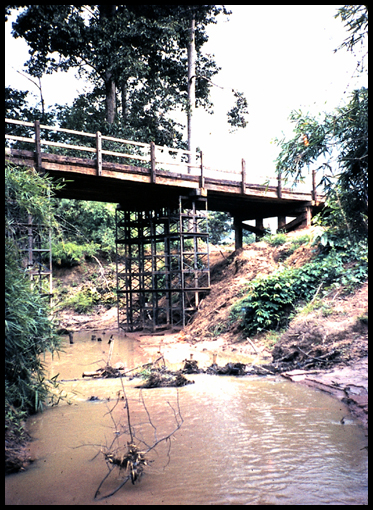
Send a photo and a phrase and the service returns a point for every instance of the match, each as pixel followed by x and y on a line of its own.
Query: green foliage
pixel 27 193
pixel 289 245
pixel 137 52
pixel 220 226
pixel 355 18
pixel 72 254
pixel 86 228
pixel 341 140
pixel 29 329
pixel 271 299
pixel 236 116
pixel 82 301
pixel 145 373
pixel 275 239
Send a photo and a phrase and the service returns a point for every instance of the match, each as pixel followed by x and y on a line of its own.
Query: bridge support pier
pixel 162 264
pixel 239 226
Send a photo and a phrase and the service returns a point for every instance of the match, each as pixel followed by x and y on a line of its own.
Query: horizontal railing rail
pixel 156 157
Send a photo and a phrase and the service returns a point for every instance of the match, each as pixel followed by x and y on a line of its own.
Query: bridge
pixel 163 195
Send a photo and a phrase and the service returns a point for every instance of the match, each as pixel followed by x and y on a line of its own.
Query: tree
pixel 341 139
pixel 220 226
pixel 336 143
pixel 355 18
pixel 88 223
pixel 137 51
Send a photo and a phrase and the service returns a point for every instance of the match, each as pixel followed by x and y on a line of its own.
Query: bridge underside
pixel 162 231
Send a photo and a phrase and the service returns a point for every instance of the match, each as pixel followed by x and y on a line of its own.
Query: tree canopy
pixel 336 143
pixel 137 52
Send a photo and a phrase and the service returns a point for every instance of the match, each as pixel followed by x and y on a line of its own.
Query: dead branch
pixel 129 458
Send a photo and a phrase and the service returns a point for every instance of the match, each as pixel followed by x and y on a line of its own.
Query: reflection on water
pixel 243 441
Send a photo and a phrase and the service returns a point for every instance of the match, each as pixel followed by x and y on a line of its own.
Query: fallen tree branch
pixel 129 457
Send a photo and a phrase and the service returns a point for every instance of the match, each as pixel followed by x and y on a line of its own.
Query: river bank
pixel 342 331
pixel 345 378
pixel 325 347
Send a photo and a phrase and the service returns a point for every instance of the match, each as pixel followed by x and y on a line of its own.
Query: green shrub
pixel 271 299
pixel 29 329
pixel 275 239
pixel 82 301
pixel 72 254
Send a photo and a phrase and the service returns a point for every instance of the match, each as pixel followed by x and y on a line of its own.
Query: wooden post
pixel 243 182
pixel 237 223
pixel 281 222
pixel 202 178
pixel 153 175
pixel 99 152
pixel 37 147
pixel 313 192
pixel 279 186
pixel 259 224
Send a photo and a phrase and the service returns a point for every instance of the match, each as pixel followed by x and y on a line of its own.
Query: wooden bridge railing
pixel 150 155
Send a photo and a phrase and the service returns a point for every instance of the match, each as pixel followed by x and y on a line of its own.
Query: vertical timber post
pixel 243 182
pixel 237 233
pixel 313 192
pixel 153 176
pixel 37 147
pixel 202 178
pixel 281 220
pixel 259 224
pixel 99 152
pixel 279 185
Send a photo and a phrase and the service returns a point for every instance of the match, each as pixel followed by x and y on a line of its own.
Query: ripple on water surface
pixel 243 441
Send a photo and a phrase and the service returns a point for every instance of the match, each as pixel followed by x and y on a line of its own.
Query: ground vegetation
pixel 29 329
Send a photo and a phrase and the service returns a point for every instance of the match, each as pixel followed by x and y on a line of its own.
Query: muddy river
pixel 245 440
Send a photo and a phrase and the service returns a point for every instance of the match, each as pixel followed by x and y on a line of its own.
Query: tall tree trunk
pixel 124 101
pixel 108 11
pixel 110 98
pixel 191 86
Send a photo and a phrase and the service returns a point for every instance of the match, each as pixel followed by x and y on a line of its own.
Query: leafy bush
pixel 82 302
pixel 271 299
pixel 275 239
pixel 88 223
pixel 72 254
pixel 29 332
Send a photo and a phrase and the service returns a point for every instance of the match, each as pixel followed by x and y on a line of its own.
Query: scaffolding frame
pixel 34 242
pixel 163 264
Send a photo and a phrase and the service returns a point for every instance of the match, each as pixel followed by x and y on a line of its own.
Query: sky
pixel 281 57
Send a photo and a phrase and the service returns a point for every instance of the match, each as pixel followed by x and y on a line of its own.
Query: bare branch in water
pixel 129 457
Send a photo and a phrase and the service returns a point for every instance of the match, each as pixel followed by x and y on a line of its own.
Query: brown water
pixel 243 441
